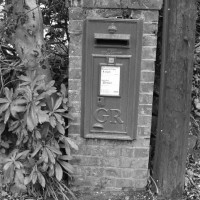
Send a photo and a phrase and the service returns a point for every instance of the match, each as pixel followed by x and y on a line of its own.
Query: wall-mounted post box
pixel 110 78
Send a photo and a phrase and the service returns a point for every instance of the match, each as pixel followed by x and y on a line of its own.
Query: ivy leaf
pixel 44 156
pixel 34 177
pixel 2 127
pixel 52 121
pixel 25 79
pixel 18 164
pixel 27 180
pixel 7 165
pixel 30 123
pixel 9 174
pixel 58 172
pixel 42 116
pixel 4 107
pixel 22 155
pixel 3 100
pixel 51 156
pixel 53 149
pixel 38 147
pixel 59 118
pixel 71 143
pixel 41 179
pixel 57 104
pixel 68 167
pixel 7 115
pixel 63 90
pixel 67 115
pixel 9 93
pixel 19 177
pixel 65 157
pixel 33 115
pixel 60 128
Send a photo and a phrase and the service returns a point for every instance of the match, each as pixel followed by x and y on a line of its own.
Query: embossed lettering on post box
pixel 110 78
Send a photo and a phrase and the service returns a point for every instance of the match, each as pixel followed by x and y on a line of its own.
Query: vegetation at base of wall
pixel 34 148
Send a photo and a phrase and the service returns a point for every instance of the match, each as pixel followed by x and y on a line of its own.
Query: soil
pixel 122 195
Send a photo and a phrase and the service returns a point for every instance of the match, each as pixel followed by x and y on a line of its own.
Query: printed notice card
pixel 110 81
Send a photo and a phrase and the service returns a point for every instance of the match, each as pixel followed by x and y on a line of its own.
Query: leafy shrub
pixel 36 113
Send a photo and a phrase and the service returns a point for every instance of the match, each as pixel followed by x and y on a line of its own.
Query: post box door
pixel 110 82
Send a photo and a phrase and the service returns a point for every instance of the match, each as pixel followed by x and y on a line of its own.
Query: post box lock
pixel 111 76
pixel 101 101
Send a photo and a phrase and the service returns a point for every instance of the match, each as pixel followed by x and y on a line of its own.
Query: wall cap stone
pixel 119 4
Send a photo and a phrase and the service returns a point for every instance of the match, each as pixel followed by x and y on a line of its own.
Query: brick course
pixel 112 164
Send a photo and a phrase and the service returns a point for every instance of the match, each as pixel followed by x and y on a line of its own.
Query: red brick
pixel 74 84
pixel 148 65
pixel 140 163
pixel 75 26
pixel 109 162
pixel 145 98
pixel 75 107
pixel 140 183
pixel 77 13
pixel 75 45
pixel 136 14
pixel 74 129
pixel 144 120
pixel 144 131
pixel 140 174
pixel 92 171
pixel 149 40
pixel 112 152
pixel 75 73
pixel 147 76
pixel 105 182
pixel 97 150
pixel 145 110
pixel 75 62
pixel 127 173
pixel 141 142
pixel 76 118
pixel 149 53
pixel 141 153
pixel 146 87
pixel 112 172
pixel 150 16
pixel 126 162
pixel 127 152
pixel 74 95
pixel 124 183
pixel 150 28
pixel 88 160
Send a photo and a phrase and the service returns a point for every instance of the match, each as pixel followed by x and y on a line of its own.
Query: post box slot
pixel 112 39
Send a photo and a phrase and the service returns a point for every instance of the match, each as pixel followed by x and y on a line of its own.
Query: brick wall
pixel 113 164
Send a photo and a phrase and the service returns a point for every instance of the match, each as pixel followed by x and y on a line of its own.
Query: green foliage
pixel 36 113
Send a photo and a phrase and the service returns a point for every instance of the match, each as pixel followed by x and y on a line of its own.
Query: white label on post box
pixel 110 81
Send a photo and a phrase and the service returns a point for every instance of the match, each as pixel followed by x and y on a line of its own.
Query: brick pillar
pixel 113 164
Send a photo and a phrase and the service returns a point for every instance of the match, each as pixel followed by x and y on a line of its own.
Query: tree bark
pixel 175 97
pixel 27 36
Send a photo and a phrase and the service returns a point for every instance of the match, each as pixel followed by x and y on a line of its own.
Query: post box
pixel 110 78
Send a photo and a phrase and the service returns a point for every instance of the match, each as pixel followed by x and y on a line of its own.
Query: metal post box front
pixel 110 78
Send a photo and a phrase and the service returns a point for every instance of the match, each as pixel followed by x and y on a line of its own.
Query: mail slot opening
pixel 121 40
pixel 112 42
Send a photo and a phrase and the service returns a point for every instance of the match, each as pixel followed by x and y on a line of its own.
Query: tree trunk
pixel 27 36
pixel 175 97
